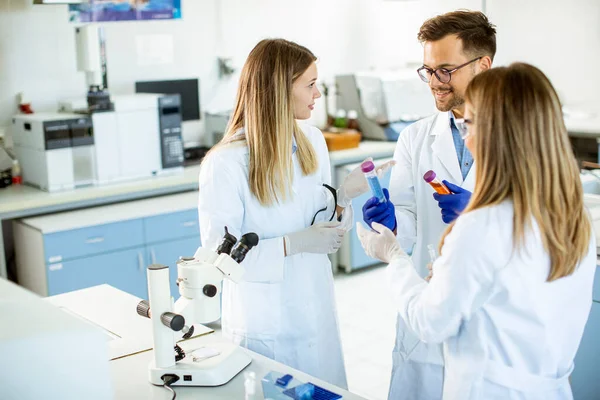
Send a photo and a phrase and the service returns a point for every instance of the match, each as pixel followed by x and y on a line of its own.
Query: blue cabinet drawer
pixel 125 270
pixel 584 379
pixel 171 226
pixel 65 245
pixel 596 290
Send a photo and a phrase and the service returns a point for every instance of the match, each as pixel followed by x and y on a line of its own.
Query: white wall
pixel 37 52
pixel 561 37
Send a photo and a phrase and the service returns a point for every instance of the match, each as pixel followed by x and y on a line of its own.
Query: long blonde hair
pixel 523 154
pixel 264 109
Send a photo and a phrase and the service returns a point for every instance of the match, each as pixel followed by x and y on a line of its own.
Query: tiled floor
pixel 368 330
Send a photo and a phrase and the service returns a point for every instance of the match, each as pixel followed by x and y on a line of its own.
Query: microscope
pixel 199 280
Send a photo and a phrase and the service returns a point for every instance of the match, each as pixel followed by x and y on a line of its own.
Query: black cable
pixel 168 380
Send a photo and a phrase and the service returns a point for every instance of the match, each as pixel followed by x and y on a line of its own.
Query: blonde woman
pixel 267 176
pixel 512 289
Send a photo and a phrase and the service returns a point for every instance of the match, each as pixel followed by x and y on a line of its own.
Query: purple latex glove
pixel 383 213
pixel 452 204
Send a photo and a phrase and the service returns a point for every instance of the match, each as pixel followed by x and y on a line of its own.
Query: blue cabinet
pixel 110 244
pixel 168 253
pixel 90 240
pixel 584 380
pixel 125 270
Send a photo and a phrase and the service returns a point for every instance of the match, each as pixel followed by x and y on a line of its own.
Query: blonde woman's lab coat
pixel 285 307
pixel 425 145
pixel 507 333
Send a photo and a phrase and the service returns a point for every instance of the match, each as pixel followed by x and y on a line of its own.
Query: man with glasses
pixel 457 46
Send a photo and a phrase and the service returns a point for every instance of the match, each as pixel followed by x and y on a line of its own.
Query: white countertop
pixel 130 378
pixel 92 216
pixel 130 373
pixel 368 148
pixel 22 197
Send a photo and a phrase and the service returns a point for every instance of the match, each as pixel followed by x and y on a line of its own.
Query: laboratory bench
pixel 130 377
pixel 25 201
pixel 115 311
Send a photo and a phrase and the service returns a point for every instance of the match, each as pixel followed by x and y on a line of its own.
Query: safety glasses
pixel 463 127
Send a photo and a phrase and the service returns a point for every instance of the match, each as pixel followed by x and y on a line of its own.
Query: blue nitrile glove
pixel 452 204
pixel 383 213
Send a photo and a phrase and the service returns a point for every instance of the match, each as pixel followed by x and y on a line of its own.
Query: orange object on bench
pixel 346 139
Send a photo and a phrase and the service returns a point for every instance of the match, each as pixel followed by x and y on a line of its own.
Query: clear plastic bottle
pixel 16 173
pixel 432 253
pixel 435 183
pixel 250 392
pixel 368 168
pixel 353 120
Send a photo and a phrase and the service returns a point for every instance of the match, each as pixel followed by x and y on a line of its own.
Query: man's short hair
pixel 473 28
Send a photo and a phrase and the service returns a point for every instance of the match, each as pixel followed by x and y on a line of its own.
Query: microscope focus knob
pixel 174 321
pixel 209 290
pixel 143 309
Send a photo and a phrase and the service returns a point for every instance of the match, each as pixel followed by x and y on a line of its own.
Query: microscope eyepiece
pixel 228 242
pixel 247 242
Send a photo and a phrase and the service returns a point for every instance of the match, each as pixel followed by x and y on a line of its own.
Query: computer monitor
pixel 187 88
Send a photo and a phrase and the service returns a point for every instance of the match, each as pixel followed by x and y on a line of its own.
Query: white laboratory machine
pixel 140 137
pixel 56 151
pixel 199 281
pixel 136 135
pixel 386 102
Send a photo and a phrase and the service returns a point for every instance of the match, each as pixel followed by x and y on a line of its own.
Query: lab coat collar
pixel 443 146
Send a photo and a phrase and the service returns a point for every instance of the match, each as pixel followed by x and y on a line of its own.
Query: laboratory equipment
pixel 432 253
pixel 310 391
pixel 284 380
pixel 140 138
pixel 216 125
pixel 136 135
pixel 293 389
pixel 368 168
pixel 386 101
pixel 250 386
pixel 435 183
pixel 17 179
pixel 56 151
pixel 432 258
pixel 91 58
pixel 188 89
pixel 199 280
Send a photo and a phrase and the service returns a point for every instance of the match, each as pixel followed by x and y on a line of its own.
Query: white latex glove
pixel 382 246
pixel 356 184
pixel 321 238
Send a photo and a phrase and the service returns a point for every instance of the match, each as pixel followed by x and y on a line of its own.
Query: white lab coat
pixel 417 372
pixel 285 307
pixel 507 333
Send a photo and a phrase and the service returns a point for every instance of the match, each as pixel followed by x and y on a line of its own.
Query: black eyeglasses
pixel 442 74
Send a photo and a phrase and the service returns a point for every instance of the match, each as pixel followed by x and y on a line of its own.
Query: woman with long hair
pixel 512 289
pixel 270 175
